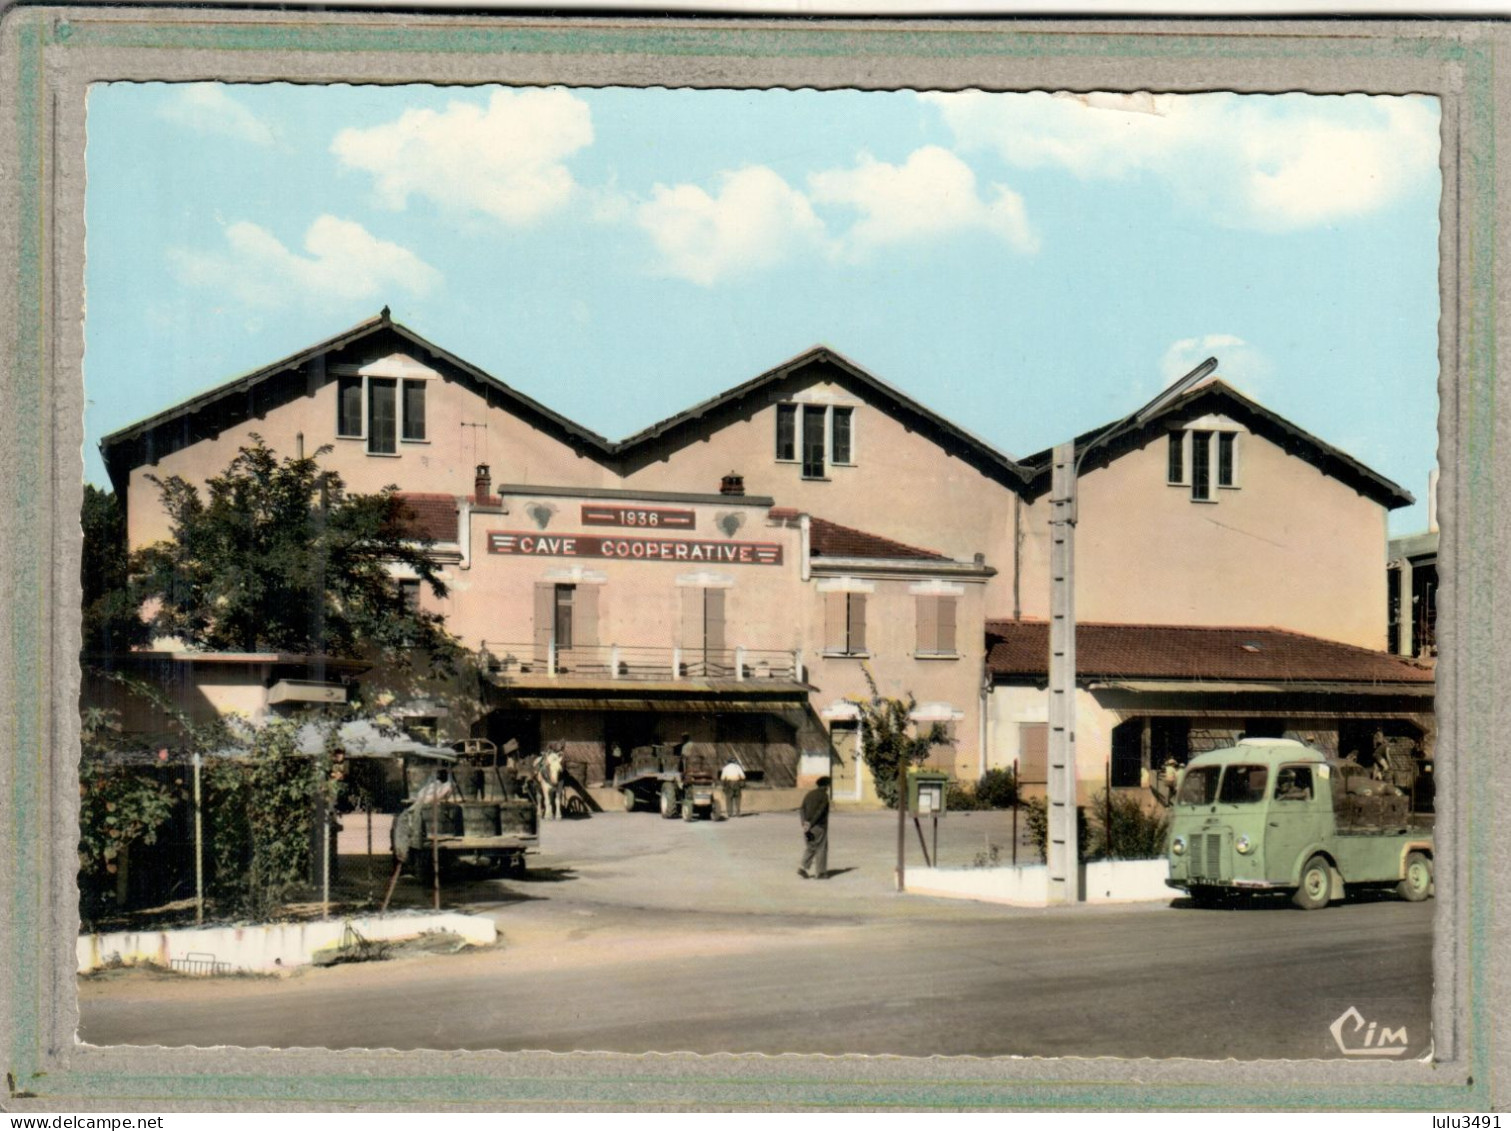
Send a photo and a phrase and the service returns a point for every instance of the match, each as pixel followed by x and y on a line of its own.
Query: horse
pixel 550 779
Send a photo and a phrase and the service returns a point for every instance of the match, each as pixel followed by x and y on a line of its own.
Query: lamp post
pixel 1063 849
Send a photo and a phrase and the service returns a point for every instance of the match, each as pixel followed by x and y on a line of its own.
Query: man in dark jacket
pixel 815 816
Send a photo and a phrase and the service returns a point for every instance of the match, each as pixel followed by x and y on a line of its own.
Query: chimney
pixel 732 484
pixel 482 486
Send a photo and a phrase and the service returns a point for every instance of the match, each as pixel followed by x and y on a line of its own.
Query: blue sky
pixel 1029 265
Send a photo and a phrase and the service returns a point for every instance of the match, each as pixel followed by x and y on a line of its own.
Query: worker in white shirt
pixel 732 778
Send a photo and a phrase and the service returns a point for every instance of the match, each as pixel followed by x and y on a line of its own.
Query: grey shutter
pixel 585 617
pixel 713 624
pixel 834 622
pixel 1033 753
pixel 928 624
pixel 945 632
pixel 856 610
pixel 545 620
pixel 692 619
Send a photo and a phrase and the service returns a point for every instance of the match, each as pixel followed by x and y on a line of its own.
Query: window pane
pixel 564 594
pixel 1225 459
pixel 1243 785
pixel 382 417
pixel 813 441
pixel 409 596
pixel 349 406
pixel 1201 465
pixel 414 410
pixel 842 435
pixel 1177 472
pixel 786 431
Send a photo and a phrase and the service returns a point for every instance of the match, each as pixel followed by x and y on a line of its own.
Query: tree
pixel 278 557
pixel 112 615
pixel 889 741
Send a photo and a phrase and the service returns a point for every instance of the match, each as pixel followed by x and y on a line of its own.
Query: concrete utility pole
pixel 1063 850
pixel 1062 853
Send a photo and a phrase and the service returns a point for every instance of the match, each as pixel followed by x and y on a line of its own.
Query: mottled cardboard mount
pixel 48 58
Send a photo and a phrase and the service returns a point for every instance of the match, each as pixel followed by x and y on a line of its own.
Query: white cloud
pixel 344 262
pixel 1238 362
pixel 932 194
pixel 504 160
pixel 1274 162
pixel 755 219
pixel 205 107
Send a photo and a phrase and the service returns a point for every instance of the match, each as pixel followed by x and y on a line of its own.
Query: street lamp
pixel 1063 850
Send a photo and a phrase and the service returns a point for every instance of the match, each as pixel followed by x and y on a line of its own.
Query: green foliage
pixel 112 618
pixel 278 557
pixel 1036 823
pixel 260 810
pixel 996 789
pixel 959 796
pixel 887 738
pixel 1125 830
pixel 120 805
pixel 1132 833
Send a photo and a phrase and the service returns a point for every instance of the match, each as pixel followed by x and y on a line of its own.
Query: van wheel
pixel 1417 883
pixel 1316 885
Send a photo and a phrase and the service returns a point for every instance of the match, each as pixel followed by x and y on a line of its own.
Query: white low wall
pixel 272 946
pixel 1104 881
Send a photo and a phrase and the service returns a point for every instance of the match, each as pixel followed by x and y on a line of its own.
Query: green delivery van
pixel 1275 815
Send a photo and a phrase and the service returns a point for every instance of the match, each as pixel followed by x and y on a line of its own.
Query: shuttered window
pixel 1033 753
pixel 936 625
pixel 845 624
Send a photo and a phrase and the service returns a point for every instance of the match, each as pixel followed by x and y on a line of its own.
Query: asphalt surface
pixel 634 934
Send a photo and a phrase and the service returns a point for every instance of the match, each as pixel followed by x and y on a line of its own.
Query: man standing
pixel 815 816
pixel 732 778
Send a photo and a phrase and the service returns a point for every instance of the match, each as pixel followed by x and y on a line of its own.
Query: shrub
pixel 1125 830
pixel 961 796
pixel 1036 821
pixel 997 789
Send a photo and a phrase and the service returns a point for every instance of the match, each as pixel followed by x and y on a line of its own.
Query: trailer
pixel 468 810
pixel 663 778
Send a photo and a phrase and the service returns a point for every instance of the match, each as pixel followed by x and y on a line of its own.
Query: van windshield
pixel 1230 785
pixel 1243 785
pixel 1199 786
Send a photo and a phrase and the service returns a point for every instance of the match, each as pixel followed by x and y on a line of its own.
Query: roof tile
pixel 1142 651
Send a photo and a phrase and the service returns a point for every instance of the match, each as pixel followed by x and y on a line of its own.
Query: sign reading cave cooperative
pixel 633 548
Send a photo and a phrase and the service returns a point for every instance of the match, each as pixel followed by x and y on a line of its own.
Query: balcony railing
pixel 641 662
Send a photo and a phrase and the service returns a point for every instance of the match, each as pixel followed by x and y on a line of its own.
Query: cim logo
pixel 1376 1040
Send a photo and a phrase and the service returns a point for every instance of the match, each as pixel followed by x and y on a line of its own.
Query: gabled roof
pixel 246 397
pixel 1019 650
pixel 1217 396
pixel 644 446
pixel 831 540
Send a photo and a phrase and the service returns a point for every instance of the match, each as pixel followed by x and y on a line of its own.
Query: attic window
pixel 817 436
pixel 381 410
pixel 1203 459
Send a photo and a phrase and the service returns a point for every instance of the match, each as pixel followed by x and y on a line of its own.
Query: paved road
pixel 635 935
